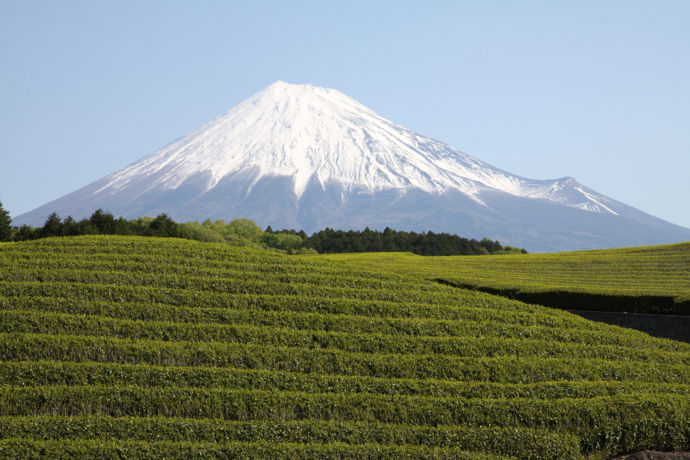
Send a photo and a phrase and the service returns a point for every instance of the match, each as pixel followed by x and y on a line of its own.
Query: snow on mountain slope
pixel 300 156
pixel 309 132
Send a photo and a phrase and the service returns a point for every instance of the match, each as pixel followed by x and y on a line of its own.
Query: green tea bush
pixel 159 347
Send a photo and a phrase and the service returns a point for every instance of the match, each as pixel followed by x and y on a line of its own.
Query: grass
pixel 154 348
pixel 653 279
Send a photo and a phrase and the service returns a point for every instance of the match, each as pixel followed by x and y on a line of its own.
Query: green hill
pixel 150 348
pixel 653 279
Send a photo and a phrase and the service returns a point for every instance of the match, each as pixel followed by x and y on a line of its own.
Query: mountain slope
pixel 307 157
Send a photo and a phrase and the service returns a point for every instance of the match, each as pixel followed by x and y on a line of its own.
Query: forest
pixel 245 232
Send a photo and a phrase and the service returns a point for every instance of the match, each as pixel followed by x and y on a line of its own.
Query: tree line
pixel 389 240
pixel 244 232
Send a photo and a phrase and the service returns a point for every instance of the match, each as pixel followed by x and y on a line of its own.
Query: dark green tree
pixel 70 227
pixel 163 225
pixel 5 224
pixel 52 226
pixel 27 233
pixel 103 222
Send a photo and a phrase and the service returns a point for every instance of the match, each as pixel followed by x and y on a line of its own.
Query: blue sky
pixel 595 90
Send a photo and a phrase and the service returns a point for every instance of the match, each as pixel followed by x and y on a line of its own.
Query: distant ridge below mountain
pixel 305 157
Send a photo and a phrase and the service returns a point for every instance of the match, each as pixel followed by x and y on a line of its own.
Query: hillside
pixel 654 279
pixel 146 347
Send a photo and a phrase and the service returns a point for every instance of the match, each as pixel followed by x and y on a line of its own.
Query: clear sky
pixel 597 90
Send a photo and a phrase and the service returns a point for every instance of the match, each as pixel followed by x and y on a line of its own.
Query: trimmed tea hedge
pixel 150 348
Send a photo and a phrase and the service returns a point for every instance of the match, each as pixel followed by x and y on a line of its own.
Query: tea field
pixel 157 348
pixel 654 279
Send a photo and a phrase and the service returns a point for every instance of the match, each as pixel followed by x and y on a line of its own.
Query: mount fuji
pixel 305 157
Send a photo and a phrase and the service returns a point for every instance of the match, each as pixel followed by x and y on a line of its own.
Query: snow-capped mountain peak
pixel 313 133
pixel 302 156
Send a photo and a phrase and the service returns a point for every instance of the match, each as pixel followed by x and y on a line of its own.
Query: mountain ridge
pixel 350 152
pixel 299 155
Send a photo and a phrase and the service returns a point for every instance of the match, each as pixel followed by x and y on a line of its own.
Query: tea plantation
pixel 152 348
pixel 653 279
